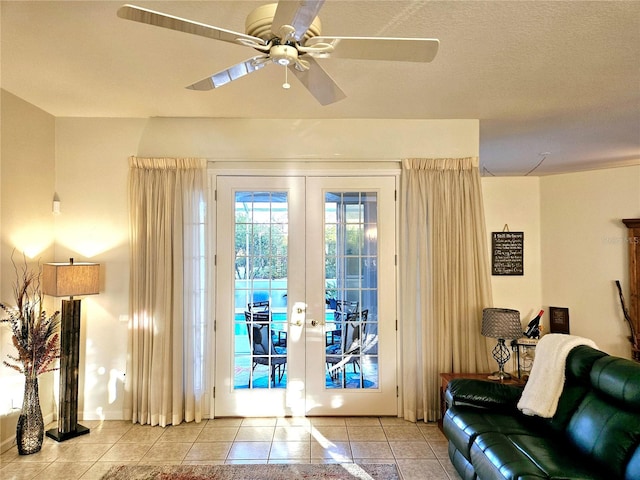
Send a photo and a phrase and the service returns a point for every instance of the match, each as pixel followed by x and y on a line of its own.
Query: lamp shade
pixel 69 279
pixel 501 323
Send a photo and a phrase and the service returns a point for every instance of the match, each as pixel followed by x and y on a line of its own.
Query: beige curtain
pixel 444 278
pixel 167 321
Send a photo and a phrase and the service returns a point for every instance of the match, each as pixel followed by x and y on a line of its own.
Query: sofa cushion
pixel 517 456
pixel 462 425
pixel 618 378
pixel 482 394
pixel 580 362
pixel 462 465
pixel 494 456
pixel 633 467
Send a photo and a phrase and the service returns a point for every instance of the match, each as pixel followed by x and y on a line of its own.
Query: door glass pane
pixel 260 286
pixel 351 287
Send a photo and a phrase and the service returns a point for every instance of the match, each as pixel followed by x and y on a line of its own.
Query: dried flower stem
pixel 35 336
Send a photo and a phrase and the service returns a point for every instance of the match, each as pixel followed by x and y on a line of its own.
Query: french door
pixel 302 327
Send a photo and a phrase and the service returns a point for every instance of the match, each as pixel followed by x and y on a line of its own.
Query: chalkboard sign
pixel 507 253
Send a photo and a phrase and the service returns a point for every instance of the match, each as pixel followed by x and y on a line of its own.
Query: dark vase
pixel 30 430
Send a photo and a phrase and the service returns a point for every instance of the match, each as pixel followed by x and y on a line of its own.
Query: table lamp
pixel 68 280
pixel 501 323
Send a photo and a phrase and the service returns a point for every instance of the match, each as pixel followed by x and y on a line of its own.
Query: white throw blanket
pixel 542 391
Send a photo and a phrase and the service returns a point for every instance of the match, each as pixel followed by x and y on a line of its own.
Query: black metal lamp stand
pixel 501 355
pixel 68 426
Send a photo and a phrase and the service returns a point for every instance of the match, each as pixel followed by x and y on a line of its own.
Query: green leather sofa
pixel 594 434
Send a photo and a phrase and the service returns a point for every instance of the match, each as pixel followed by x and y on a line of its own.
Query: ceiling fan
pixel 288 33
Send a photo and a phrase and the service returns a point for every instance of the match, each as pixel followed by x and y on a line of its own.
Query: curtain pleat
pixel 444 279
pixel 165 367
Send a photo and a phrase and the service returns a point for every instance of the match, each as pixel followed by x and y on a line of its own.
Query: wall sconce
pixel 56 204
pixel 62 280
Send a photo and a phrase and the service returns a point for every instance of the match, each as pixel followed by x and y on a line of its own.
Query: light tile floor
pixel 419 450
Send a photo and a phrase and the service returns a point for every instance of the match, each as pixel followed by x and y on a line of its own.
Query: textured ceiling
pixel 557 77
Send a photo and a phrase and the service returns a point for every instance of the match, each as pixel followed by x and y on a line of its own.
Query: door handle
pixel 297 314
pixel 315 323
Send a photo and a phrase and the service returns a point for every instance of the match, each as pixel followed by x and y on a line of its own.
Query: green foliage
pixel 260 250
pixel 35 335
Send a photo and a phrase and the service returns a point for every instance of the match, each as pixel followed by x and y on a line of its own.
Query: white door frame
pixel 285 168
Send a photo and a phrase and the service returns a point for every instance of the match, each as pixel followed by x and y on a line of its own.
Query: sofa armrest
pixel 482 394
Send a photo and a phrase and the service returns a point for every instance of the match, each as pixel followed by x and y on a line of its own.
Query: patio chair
pixel 343 308
pixel 262 306
pixel 263 351
pixel 349 350
pixel 279 337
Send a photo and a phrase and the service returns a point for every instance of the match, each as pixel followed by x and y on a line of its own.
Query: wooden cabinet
pixel 633 226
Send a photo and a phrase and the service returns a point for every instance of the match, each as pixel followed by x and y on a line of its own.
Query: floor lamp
pixel 69 280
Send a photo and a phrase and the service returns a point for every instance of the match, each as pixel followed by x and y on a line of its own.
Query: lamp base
pixel 501 355
pixel 58 436
pixel 499 376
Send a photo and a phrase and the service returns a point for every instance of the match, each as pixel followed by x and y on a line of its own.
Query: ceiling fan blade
pixel 230 74
pixel 159 19
pixel 379 48
pixel 297 13
pixel 319 83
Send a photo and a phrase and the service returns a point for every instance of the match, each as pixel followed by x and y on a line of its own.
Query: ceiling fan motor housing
pixel 258 24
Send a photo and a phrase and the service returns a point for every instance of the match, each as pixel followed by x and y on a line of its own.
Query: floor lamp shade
pixel 69 280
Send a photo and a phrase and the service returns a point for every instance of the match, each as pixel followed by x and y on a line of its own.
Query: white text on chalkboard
pixel 507 253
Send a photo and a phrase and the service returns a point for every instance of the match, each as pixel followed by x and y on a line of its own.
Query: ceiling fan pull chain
pixel 286 85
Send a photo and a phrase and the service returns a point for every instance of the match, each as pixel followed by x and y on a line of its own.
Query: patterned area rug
pixel 344 471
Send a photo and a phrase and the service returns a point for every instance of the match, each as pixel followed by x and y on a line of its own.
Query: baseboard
pixel 8 424
pixel 48 419
pixel 103 415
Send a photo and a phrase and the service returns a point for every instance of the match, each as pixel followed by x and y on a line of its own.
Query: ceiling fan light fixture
pixel 283 55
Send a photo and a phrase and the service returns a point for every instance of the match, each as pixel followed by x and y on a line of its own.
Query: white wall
pixel 334 139
pixel 584 249
pixel 515 201
pixel 26 226
pixel 27 176
pixel 91 180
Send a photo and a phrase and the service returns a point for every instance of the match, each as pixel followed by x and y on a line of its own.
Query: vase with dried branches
pixel 37 341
